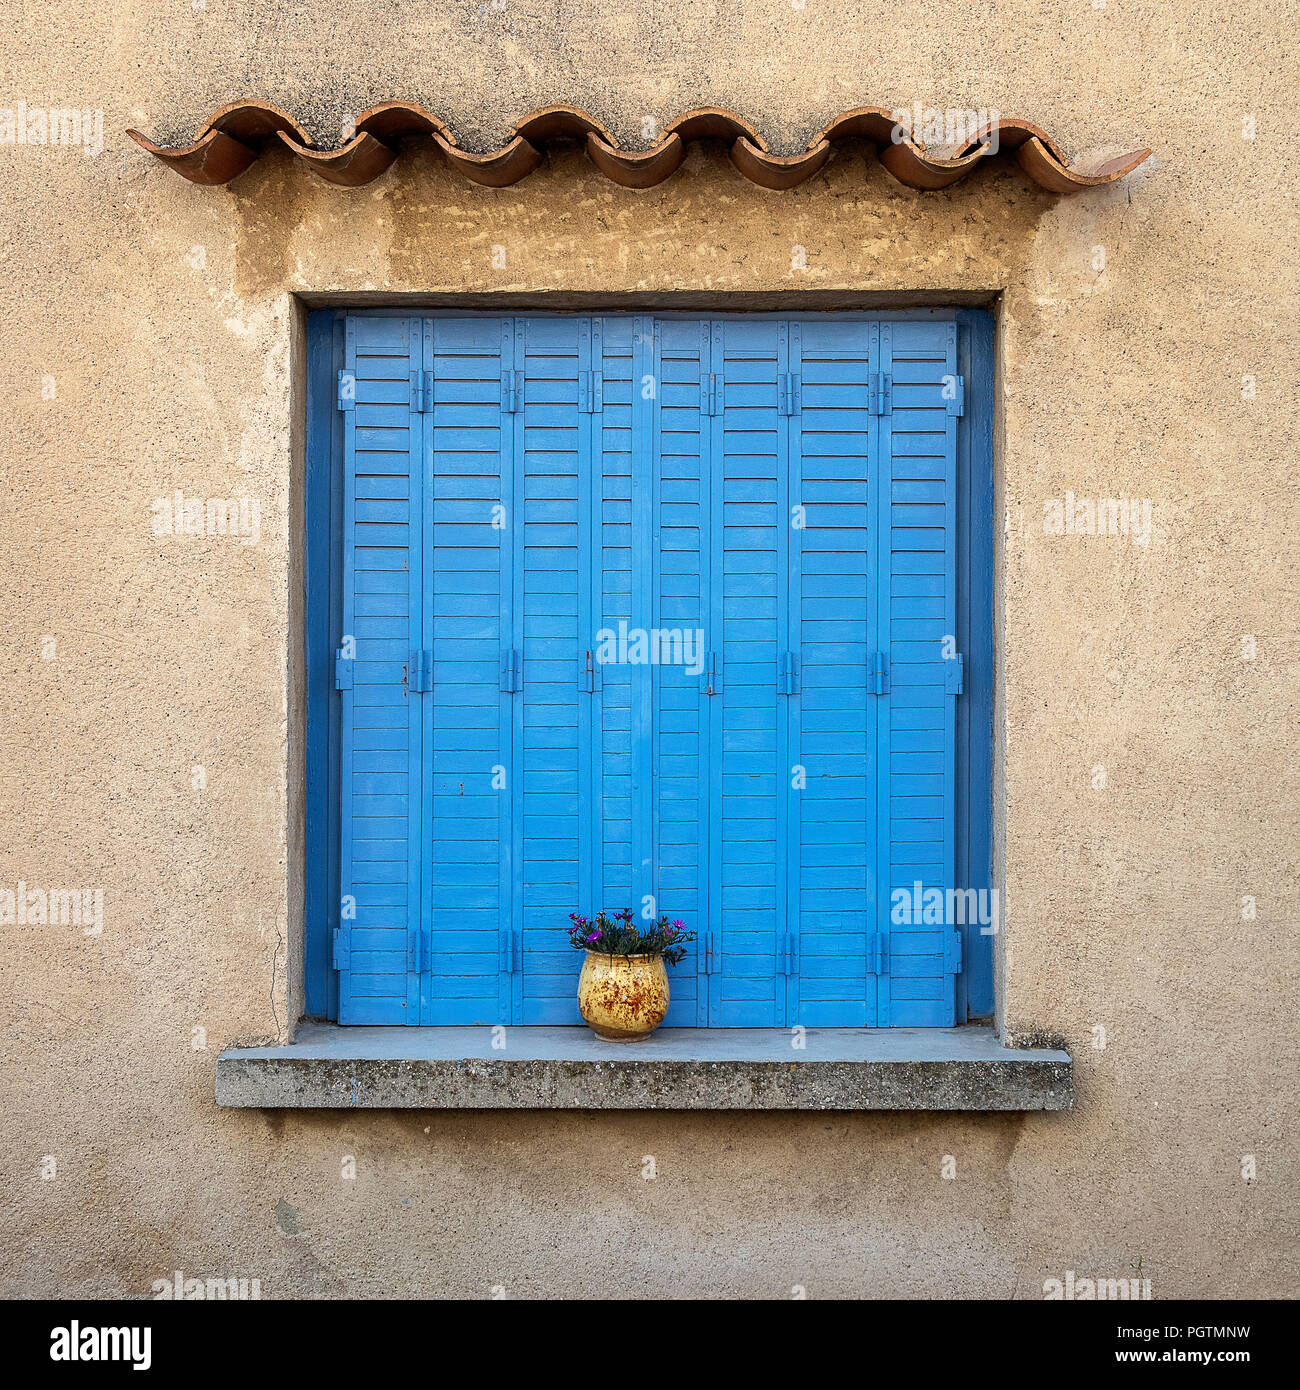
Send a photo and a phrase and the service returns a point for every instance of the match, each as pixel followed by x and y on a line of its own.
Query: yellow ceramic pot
pixel 623 998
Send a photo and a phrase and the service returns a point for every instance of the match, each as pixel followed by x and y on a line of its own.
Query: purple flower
pixel 679 925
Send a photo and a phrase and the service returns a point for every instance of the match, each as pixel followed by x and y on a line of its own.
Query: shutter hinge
pixel 421 392
pixel 591 392
pixel 420 671
pixel 952 953
pixel 711 676
pixel 711 956
pixel 954 676
pixel 347 391
pixel 339 957
pixel 878 673
pixel 789 388
pixel 787 674
pixel 789 953
pixel 954 394
pixel 877 953
pixel 510 671
pixel 512 391
pixel 342 671
pixel 512 950
pixel 711 393
pixel 880 391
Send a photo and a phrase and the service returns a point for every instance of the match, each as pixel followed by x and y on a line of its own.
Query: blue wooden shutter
pixel 378 941
pixel 749 456
pixel 611 699
pixel 679 492
pixel 917 599
pixel 553 437
pixel 833 714
pixel 469 708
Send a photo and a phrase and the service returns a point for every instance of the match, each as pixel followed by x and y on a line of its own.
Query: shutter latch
pixel 510 671
pixel 880 390
pixel 711 679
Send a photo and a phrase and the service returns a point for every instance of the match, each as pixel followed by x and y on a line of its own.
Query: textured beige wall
pixel 165 316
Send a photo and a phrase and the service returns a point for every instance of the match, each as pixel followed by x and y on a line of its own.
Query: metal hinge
pixel 877 953
pixel 342 671
pixel 954 394
pixel 711 955
pixel 421 392
pixel 788 962
pixel 510 671
pixel 787 674
pixel 880 391
pixel 419 673
pixel 512 950
pixel 954 675
pixel 711 676
pixel 878 673
pixel 339 954
pixel 711 393
pixel 789 388
pixel 512 391
pixel 591 392
pixel 952 953
pixel 347 391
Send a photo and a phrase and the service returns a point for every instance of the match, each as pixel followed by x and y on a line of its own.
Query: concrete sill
pixel 678 1069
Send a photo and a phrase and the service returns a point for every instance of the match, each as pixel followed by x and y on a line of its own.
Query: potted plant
pixel 623 988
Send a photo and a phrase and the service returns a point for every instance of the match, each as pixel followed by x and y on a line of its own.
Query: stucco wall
pixel 149 346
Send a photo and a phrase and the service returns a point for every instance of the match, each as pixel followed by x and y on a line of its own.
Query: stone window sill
pixel 329 1067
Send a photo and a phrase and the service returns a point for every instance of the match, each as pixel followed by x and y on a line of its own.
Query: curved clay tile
pixel 637 168
pixel 777 171
pixel 234 137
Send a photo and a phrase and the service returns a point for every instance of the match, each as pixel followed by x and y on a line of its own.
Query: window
pixel 676 612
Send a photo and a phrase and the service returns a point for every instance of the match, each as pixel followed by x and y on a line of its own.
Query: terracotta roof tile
pixel 236 135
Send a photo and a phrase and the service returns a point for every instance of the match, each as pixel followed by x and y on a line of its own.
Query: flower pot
pixel 623 998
